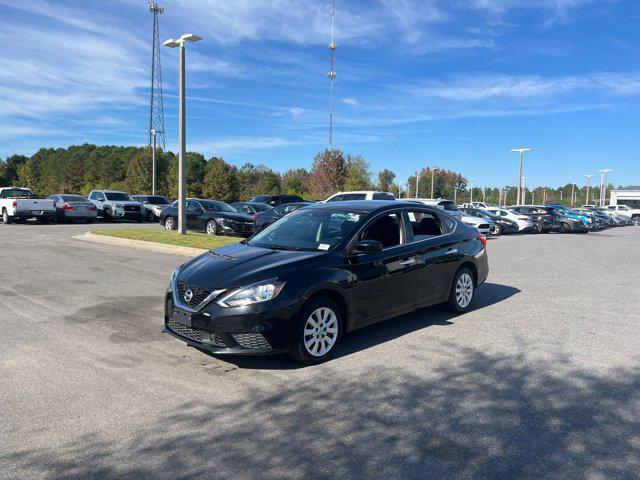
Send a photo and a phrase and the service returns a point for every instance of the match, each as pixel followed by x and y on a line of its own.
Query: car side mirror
pixel 367 246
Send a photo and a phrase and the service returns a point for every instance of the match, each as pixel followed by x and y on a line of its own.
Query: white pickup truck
pixel 627 211
pixel 21 204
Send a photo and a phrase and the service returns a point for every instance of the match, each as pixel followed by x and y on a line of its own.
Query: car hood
pixel 240 264
pixel 124 202
pixel 238 217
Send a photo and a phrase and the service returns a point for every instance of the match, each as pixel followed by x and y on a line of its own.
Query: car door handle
pixel 408 262
pixel 451 251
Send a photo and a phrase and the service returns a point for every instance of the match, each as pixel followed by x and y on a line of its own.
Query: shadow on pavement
pixel 480 416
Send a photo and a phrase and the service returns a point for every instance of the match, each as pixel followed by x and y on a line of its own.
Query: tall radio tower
pixel 156 112
pixel 332 75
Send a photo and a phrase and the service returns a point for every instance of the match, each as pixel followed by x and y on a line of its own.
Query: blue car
pixel 588 221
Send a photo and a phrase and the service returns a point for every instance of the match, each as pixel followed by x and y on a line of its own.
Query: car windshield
pixel 157 200
pixel 214 206
pixel 73 198
pixel 118 196
pixel 449 206
pixel 261 207
pixel 16 193
pixel 260 199
pixel 307 229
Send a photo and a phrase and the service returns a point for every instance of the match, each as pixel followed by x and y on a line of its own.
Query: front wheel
pixel 496 229
pixel 211 228
pixel 564 228
pixel 169 223
pixel 318 331
pixel 636 221
pixel 462 291
pixel 537 227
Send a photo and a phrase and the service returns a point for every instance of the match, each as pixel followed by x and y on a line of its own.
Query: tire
pixel 211 228
pixel 318 331
pixel 6 219
pixel 462 291
pixel 564 228
pixel 43 220
pixel 170 223
pixel 106 215
pixel 150 216
pixel 496 229
pixel 636 221
pixel 139 218
pixel 538 227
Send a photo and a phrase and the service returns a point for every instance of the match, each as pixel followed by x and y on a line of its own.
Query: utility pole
pixel 433 171
pixel 332 75
pixel 588 177
pixel 544 196
pixel 182 130
pixel 471 194
pixel 533 196
pixel 156 110
pixel 455 193
pixel 483 194
pixel 603 185
pixel 417 176
pixel 523 197
pixel 573 188
pixel 520 179
pixel 153 164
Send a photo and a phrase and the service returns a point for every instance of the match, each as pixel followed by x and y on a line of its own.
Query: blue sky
pixel 453 83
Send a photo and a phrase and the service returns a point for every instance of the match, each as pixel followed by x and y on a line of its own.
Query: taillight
pixel 55 204
pixel 66 206
pixel 482 239
pixel 93 208
pixel 255 216
pixel 15 204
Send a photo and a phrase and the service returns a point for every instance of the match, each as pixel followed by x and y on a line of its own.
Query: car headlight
pixel 174 275
pixel 256 293
pixel 119 205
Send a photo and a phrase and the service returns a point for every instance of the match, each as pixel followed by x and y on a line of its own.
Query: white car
pixel 627 211
pixel 446 205
pixel 524 222
pixel 21 204
pixel 112 204
pixel 477 205
pixel 152 205
pixel 482 224
pixel 360 195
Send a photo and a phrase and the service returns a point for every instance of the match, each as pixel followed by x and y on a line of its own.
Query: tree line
pixel 82 168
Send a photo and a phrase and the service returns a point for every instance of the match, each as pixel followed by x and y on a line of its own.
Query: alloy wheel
pixel 168 223
pixel 464 290
pixel 320 331
pixel 211 228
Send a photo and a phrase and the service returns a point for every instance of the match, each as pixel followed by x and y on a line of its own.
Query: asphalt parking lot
pixel 540 380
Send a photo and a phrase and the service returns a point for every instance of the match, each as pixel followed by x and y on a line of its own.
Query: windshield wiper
pixel 282 247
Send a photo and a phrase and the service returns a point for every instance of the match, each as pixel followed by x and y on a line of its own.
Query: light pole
pixel 520 179
pixel 573 189
pixel 417 177
pixel 455 193
pixel 153 162
pixel 433 170
pixel 588 177
pixel 523 198
pixel 533 196
pixel 182 150
pixel 471 194
pixel 500 196
pixel 603 185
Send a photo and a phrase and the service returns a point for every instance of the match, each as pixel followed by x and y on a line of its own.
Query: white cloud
pixel 352 102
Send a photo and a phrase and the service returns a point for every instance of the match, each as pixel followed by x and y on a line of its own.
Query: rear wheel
pixel 462 291
pixel 537 227
pixel 6 219
pixel 211 228
pixel 564 228
pixel 636 221
pixel 496 229
pixel 318 331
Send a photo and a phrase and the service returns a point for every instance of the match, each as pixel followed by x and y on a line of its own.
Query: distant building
pixel 625 197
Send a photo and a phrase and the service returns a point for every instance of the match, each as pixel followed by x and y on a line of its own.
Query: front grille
pixel 199 294
pixel 131 208
pixel 251 340
pixel 195 334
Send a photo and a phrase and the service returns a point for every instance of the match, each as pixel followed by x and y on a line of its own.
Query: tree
pixel 269 183
pixel 220 181
pixel 358 174
pixel 195 167
pixel 139 172
pixel 328 173
pixel 294 181
pixel 9 169
pixel 385 180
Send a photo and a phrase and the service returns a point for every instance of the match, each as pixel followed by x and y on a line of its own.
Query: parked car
pixel 267 217
pixel 589 221
pixel 73 207
pixel 210 216
pixel 152 205
pixel 275 200
pixel 544 218
pixel 482 205
pixel 251 208
pixel 20 204
pixel 112 204
pixel 627 211
pixel 360 195
pixel 602 219
pixel 484 225
pixel 523 221
pixel 303 282
pixel 450 207
pixel 501 225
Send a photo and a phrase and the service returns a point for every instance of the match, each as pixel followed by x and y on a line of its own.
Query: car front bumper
pixel 259 329
pixel 127 214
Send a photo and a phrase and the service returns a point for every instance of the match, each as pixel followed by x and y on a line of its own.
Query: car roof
pixel 110 191
pixel 367 206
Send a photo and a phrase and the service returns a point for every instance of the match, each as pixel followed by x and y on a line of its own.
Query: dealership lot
pixel 540 380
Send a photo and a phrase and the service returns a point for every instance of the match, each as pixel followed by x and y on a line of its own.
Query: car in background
pixel 267 217
pixel 152 205
pixel 73 207
pixel 251 208
pixel 619 220
pixel 602 220
pixel 210 216
pixel 484 225
pixel 544 218
pixel 20 204
pixel 112 205
pixel 302 283
pixel 482 205
pixel 447 205
pixel 627 211
pixel 523 221
pixel 360 195
pixel 589 221
pixel 275 200
pixel 501 225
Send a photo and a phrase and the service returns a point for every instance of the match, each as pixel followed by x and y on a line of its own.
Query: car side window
pixel 425 225
pixel 354 196
pixel 100 197
pixel 337 198
pixel 385 229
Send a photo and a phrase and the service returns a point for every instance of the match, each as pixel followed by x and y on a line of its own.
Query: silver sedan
pixel 73 207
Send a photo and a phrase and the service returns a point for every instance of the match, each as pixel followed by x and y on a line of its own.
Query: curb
pixel 141 244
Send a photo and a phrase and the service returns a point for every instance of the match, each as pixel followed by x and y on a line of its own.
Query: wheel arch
pixel 474 271
pixel 337 298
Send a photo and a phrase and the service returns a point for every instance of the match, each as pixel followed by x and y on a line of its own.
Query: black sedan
pixel 267 217
pixel 320 272
pixel 210 216
pixel 251 208
pixel 500 226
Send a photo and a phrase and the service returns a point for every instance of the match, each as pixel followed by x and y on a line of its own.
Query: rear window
pixel 15 193
pixel 449 206
pixel 383 196
pixel 261 208
pixel 73 198
pixel 261 198
pixel 157 200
